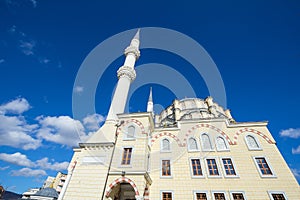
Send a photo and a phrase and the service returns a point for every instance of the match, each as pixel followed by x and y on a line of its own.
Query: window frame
pixel 218 191
pixel 224 170
pixel 166 191
pixel 210 140
pixel 125 135
pixel 191 168
pixel 161 169
pixel 161 145
pixel 218 168
pixel 233 192
pixel 131 158
pixel 273 175
pixel 201 191
pixel 197 144
pixel 270 192
pixel 248 145
pixel 226 143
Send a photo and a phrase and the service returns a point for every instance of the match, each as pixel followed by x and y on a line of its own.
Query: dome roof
pixel 192 109
pixel 47 192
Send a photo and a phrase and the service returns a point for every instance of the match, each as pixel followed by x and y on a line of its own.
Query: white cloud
pixel 27 172
pixel 17 106
pixel 34 3
pixel 291 133
pixel 62 130
pixel 44 60
pixel 15 132
pixel 296 151
pixel 45 164
pixel 22 160
pixel 17 159
pixel 20 2
pixel 27 47
pixel 78 89
pixel 296 172
pixel 4 168
pixel 2 61
pixel 92 122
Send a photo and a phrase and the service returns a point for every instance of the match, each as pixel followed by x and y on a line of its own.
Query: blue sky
pixel 255 45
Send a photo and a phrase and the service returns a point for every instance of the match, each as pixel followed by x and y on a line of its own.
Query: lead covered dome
pixel 192 109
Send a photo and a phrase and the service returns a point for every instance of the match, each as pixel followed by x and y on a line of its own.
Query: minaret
pixel 126 75
pixel 150 102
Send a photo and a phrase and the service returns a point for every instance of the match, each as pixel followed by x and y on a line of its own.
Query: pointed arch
pixel 165 145
pixel 206 142
pixel 118 181
pixel 192 144
pixel 250 130
pixel 163 134
pixel 221 144
pixel 210 127
pixel 136 122
pixel 131 131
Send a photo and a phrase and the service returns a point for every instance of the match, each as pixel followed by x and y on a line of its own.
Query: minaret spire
pixel 150 102
pixel 126 75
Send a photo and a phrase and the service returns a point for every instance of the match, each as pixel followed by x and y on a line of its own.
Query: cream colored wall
pixel 88 180
pixel 248 180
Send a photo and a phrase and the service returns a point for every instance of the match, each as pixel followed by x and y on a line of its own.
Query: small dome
pixel 47 192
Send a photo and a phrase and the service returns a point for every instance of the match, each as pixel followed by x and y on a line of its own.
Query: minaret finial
pixel 134 46
pixel 137 35
pixel 150 102
pixel 150 95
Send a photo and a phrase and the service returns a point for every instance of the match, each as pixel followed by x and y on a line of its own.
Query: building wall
pixel 88 178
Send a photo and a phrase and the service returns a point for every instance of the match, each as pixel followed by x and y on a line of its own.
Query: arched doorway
pixel 122 189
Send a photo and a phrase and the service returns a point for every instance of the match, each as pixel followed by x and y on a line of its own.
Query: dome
pixel 47 192
pixel 191 109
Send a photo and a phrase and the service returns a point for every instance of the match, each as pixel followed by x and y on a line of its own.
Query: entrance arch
pixel 122 189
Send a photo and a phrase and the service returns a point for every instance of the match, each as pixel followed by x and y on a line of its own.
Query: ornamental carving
pixel 134 50
pixel 126 71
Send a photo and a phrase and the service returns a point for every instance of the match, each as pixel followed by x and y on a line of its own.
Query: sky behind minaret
pixel 254 44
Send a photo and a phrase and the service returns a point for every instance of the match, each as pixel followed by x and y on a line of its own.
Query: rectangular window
pixel 166 168
pixel 219 196
pixel 196 167
pixel 201 196
pixel 263 166
pixel 228 166
pixel 212 167
pixel 126 156
pixel 167 196
pixel 238 196
pixel 278 197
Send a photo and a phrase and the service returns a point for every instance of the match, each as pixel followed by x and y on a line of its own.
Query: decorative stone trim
pixel 134 50
pixel 121 180
pixel 146 193
pixel 163 134
pixel 126 71
pixel 250 130
pixel 210 127
pixel 135 121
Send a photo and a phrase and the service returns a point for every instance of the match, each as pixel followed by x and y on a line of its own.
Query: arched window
pixel 251 142
pixel 192 144
pixel 206 143
pixel 130 132
pixel 165 145
pixel 221 144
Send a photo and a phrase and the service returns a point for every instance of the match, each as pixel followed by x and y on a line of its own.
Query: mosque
pixel 192 150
